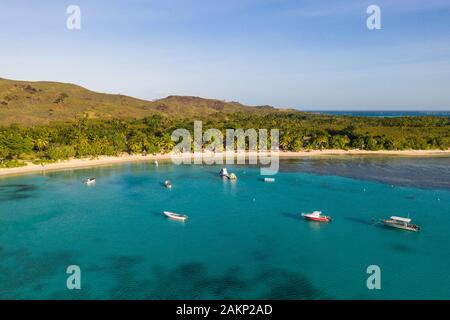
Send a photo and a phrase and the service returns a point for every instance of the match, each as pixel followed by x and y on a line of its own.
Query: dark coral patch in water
pixel 19 187
pixel 20 269
pixel 125 262
pixel 194 281
pixel 128 284
pixel 285 285
pixel 13 192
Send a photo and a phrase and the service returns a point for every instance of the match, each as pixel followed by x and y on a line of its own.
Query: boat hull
pixel 400 226
pixel 174 216
pixel 317 219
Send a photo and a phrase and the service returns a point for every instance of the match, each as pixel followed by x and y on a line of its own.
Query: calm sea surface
pixel 388 114
pixel 243 239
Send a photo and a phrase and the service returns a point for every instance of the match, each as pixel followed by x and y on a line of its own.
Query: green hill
pixel 36 103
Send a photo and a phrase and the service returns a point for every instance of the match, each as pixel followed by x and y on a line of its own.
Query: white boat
pixel 224 172
pixel 400 223
pixel 89 181
pixel 176 216
pixel 269 180
pixel 316 216
pixel 232 176
pixel 168 184
pixel 156 162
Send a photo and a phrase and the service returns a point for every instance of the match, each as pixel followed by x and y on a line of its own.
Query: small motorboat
pixel 156 163
pixel 89 181
pixel 316 216
pixel 269 179
pixel 224 173
pixel 400 223
pixel 176 216
pixel 232 176
pixel 168 184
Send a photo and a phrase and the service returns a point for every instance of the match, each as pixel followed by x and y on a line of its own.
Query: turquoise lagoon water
pixel 244 240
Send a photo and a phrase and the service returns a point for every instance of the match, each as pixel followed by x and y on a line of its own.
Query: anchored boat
pixel 224 172
pixel 316 216
pixel 89 181
pixel 176 216
pixel 168 184
pixel 400 223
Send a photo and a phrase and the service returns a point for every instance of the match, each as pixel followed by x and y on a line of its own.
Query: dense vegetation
pixel 298 131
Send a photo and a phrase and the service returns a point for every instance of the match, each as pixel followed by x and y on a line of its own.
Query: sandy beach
pixel 124 158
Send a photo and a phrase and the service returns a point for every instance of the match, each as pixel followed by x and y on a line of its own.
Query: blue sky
pixel 306 54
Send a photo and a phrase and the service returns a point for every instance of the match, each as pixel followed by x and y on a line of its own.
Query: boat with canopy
pixel 400 223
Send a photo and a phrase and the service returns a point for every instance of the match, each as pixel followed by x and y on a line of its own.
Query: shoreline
pixel 126 158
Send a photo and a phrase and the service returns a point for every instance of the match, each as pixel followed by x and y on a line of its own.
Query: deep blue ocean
pixel 243 239
pixel 387 114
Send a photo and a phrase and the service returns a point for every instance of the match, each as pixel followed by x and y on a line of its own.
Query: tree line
pixel 298 131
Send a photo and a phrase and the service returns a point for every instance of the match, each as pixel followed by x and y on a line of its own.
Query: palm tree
pixel 321 141
pixel 135 147
pixel 286 140
pixel 41 144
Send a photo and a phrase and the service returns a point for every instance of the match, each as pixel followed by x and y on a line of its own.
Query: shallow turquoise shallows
pixel 243 239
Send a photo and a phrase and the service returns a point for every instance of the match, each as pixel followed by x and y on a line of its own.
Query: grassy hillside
pixel 37 103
